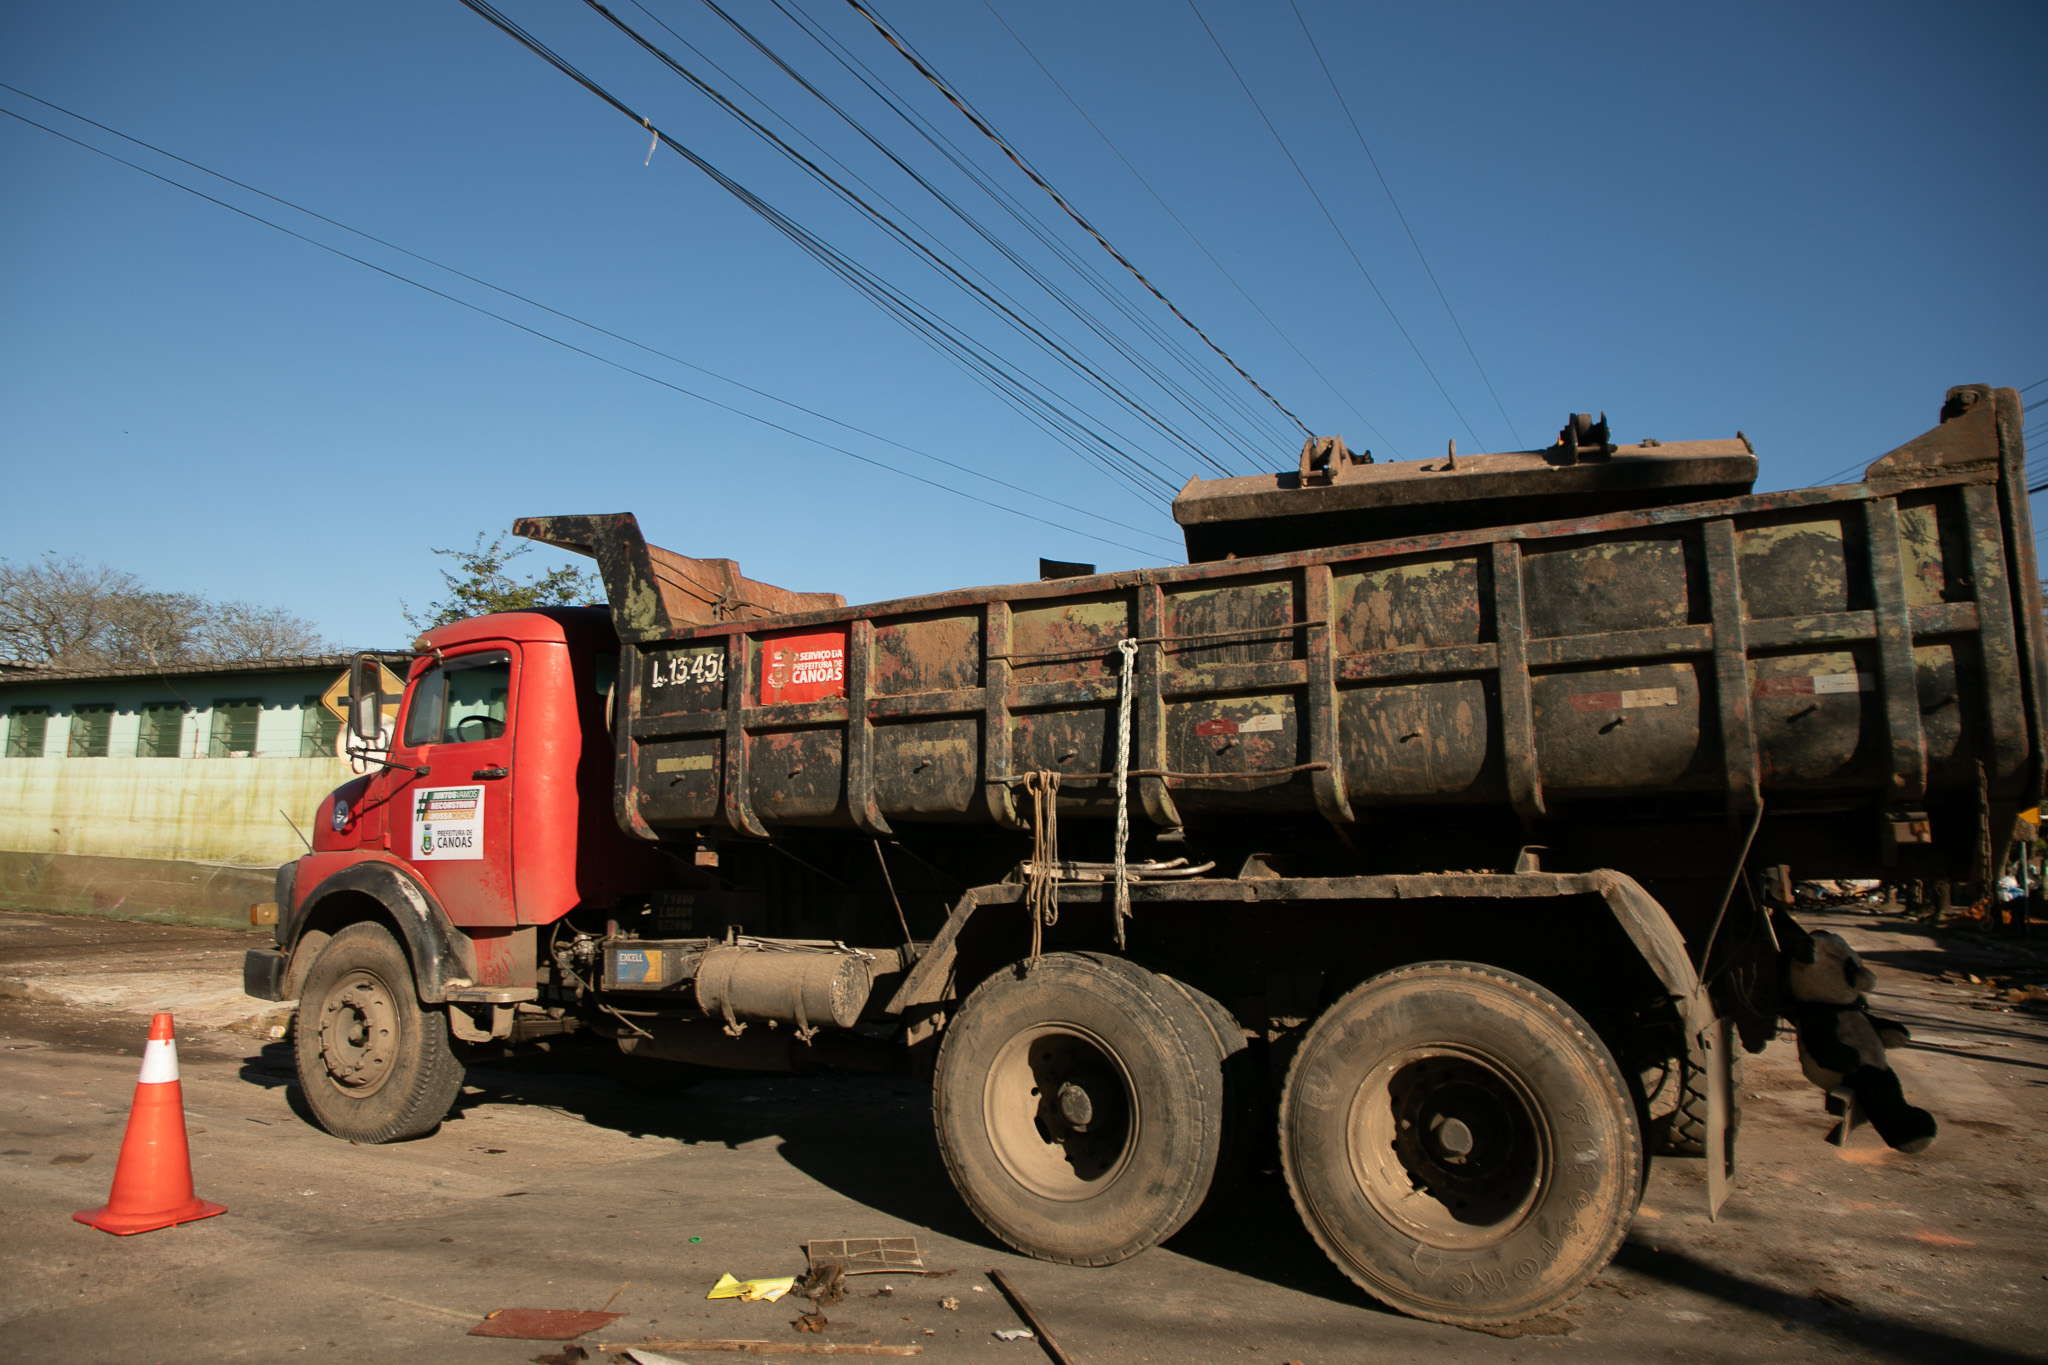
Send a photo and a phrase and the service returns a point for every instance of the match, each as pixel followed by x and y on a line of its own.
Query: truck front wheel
pixel 373 1065
pixel 1079 1102
pixel 1461 1143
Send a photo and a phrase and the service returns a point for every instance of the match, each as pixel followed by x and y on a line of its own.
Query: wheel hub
pixel 1059 1112
pixel 358 1032
pixel 1447 1145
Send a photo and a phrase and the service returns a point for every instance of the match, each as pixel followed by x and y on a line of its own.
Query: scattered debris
pixel 1832 1299
pixel 1052 1348
pixel 1543 1325
pixel 568 1355
pixel 950 1304
pixel 1015 1334
pixel 825 1285
pixel 768 1290
pixel 647 1352
pixel 809 1322
pixel 541 1324
pixel 71 1159
pixel 867 1255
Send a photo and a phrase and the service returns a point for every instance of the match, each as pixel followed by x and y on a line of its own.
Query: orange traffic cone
pixel 153 1179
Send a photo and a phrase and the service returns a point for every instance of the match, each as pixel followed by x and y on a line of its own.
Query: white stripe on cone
pixel 159 1061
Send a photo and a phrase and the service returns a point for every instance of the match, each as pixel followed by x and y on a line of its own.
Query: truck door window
pixel 461 700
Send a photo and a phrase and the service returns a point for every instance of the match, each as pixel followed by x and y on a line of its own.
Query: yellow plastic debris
pixel 767 1290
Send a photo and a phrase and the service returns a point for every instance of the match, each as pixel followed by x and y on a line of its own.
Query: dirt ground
pixel 551 1188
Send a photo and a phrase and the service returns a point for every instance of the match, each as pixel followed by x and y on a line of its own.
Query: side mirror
pixel 365 699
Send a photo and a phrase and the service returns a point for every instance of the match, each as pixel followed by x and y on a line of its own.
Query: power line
pixel 891 299
pixel 1375 163
pixel 565 345
pixel 1089 274
pixel 1332 219
pixel 2035 385
pixel 1071 212
pixel 930 252
pixel 580 322
pixel 1190 232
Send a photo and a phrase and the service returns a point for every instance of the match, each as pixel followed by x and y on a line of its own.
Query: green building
pixel 161 792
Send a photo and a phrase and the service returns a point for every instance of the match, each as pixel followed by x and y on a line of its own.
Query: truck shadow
pixel 869 1139
pixel 1882 1335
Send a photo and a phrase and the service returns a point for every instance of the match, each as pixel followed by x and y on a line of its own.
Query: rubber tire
pixel 425 1074
pixel 1683 1132
pixel 1245 1091
pixel 1578 1209
pixel 1174 1082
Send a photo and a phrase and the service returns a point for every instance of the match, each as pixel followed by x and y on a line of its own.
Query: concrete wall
pixel 161 890
pixel 225 810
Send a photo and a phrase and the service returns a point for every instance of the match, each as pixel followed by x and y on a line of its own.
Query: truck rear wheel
pixel 1079 1104
pixel 373 1065
pixel 1461 1143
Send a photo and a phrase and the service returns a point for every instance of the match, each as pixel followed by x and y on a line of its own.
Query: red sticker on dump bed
pixel 803 668
pixel 1622 701
pixel 1815 685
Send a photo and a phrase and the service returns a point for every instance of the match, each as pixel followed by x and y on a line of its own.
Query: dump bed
pixel 1873 646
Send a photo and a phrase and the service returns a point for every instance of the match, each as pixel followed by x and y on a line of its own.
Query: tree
pixel 484 586
pixel 65 613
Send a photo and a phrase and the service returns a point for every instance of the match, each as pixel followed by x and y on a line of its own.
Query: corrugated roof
pixel 296 663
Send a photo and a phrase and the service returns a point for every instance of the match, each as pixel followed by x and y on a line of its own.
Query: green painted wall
pixel 224 810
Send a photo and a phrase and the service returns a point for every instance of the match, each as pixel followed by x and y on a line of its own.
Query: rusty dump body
pixel 1862 663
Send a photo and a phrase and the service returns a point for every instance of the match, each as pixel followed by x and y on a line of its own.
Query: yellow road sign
pixel 335 698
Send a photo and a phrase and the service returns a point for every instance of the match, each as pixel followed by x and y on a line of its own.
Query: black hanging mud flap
pixel 1718 1041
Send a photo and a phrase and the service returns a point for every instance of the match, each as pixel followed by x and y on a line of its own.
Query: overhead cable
pixel 1178 222
pixel 580 322
pixel 892 300
pixel 904 236
pixel 565 345
pixel 1374 162
pixel 1253 445
pixel 1086 226
pixel 1332 218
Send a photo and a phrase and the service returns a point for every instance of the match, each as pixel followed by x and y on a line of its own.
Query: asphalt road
pixel 555 1189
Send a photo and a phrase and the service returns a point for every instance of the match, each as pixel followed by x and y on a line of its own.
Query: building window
pixel 162 724
pixel 26 727
pixel 92 724
pixel 319 729
pixel 234 728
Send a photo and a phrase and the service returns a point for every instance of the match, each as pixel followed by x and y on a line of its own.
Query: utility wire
pixel 1071 212
pixel 1190 232
pixel 1215 424
pixel 580 322
pixel 889 298
pixel 899 233
pixel 2035 385
pixel 1332 219
pixel 565 345
pixel 1372 160
pixel 1089 274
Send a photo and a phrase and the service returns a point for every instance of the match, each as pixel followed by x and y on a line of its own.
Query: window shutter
pixel 26 728
pixel 319 729
pixel 92 725
pixel 162 727
pixel 234 727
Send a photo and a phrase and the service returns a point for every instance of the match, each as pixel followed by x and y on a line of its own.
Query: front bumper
pixel 263 973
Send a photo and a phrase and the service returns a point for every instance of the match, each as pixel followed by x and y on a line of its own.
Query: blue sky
pixel 1801 221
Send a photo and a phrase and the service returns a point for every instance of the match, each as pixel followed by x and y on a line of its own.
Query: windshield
pixel 461 700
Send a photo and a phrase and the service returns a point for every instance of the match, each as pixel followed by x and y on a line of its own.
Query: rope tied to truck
pixel 1041 886
pixel 1129 650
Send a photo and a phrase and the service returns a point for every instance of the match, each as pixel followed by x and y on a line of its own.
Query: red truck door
pixel 455 824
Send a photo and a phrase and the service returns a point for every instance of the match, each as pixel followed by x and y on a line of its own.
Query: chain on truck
pixel 1424 824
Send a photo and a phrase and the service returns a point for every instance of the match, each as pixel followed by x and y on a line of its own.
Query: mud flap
pixel 1718 1042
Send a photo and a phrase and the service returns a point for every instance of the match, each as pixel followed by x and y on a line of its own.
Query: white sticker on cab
pixel 447 824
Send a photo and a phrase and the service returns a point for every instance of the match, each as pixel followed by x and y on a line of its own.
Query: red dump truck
pixel 1417 824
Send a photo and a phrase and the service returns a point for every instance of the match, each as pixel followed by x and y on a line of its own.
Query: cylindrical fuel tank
pixel 808 989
